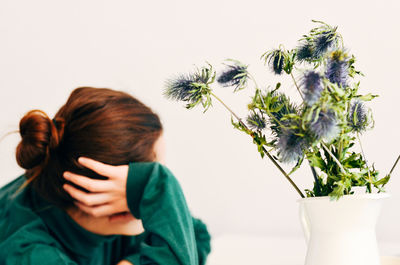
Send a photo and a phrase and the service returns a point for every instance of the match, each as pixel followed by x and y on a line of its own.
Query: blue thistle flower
pixel 276 60
pixel 236 75
pixel 290 146
pixel 325 126
pixel 358 116
pixel 337 68
pixel 256 121
pixel 321 39
pixel 192 88
pixel 311 87
pixel 304 52
pixel 181 88
pixel 287 132
pixel 280 107
pixel 323 42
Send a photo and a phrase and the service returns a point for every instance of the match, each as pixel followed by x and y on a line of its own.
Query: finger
pixel 98 167
pixel 93 185
pixel 98 211
pixel 89 199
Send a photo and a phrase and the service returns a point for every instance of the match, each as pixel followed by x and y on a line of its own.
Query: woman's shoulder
pixel 14 197
pixel 18 220
pixel 29 243
pixel 22 234
pixel 11 196
pixel 10 188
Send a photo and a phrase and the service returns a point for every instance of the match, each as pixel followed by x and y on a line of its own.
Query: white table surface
pixel 245 249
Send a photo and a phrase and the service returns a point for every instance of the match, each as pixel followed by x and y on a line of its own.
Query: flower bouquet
pixel 322 130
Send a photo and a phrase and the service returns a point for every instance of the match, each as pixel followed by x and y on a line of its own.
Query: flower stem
pixel 395 163
pixel 283 172
pixel 264 150
pixel 366 163
pixel 316 180
pixel 254 80
pixel 297 86
pixel 312 168
pixel 231 111
pixel 333 157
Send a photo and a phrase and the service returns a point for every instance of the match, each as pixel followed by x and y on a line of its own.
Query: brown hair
pixel 106 125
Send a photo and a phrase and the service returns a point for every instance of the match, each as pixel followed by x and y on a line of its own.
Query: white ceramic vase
pixel 341 232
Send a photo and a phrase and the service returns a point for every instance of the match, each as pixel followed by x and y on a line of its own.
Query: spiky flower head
pixel 278 107
pixel 276 60
pixel 323 38
pixel 192 88
pixel 290 145
pixel 180 88
pixel 311 87
pixel 358 116
pixel 256 121
pixel 323 42
pixel 304 52
pixel 320 40
pixel 337 70
pixel 235 75
pixel 325 125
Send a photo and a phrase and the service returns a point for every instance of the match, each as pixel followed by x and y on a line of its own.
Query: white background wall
pixel 49 47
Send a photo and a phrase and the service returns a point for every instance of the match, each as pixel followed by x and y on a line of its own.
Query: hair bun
pixel 39 134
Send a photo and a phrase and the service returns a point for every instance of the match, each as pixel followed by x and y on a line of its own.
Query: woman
pixel 95 191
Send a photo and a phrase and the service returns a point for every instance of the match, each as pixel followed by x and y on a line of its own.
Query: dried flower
pixel 256 121
pixel 304 52
pixel 192 88
pixel 337 68
pixel 312 87
pixel 325 126
pixel 290 146
pixel 280 107
pixel 318 42
pixel 181 88
pixel 275 59
pixel 358 116
pixel 323 42
pixel 236 75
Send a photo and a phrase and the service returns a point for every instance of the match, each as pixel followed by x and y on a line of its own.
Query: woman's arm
pixel 202 236
pixel 154 196
pixel 203 240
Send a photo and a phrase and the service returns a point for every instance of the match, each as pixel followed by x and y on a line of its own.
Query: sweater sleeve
pixel 155 197
pixel 203 239
pixel 202 236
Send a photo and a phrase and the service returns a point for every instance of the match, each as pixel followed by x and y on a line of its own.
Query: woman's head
pixel 106 125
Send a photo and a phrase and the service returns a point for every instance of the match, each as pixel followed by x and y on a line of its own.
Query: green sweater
pixel 32 231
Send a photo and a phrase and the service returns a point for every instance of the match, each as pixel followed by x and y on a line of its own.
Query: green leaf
pixel 338 191
pixel 317 161
pixel 367 97
pixel 383 181
pixel 297 166
pixel 353 161
pixel 341 188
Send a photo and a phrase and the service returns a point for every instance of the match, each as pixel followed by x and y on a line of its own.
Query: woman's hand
pixel 105 197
